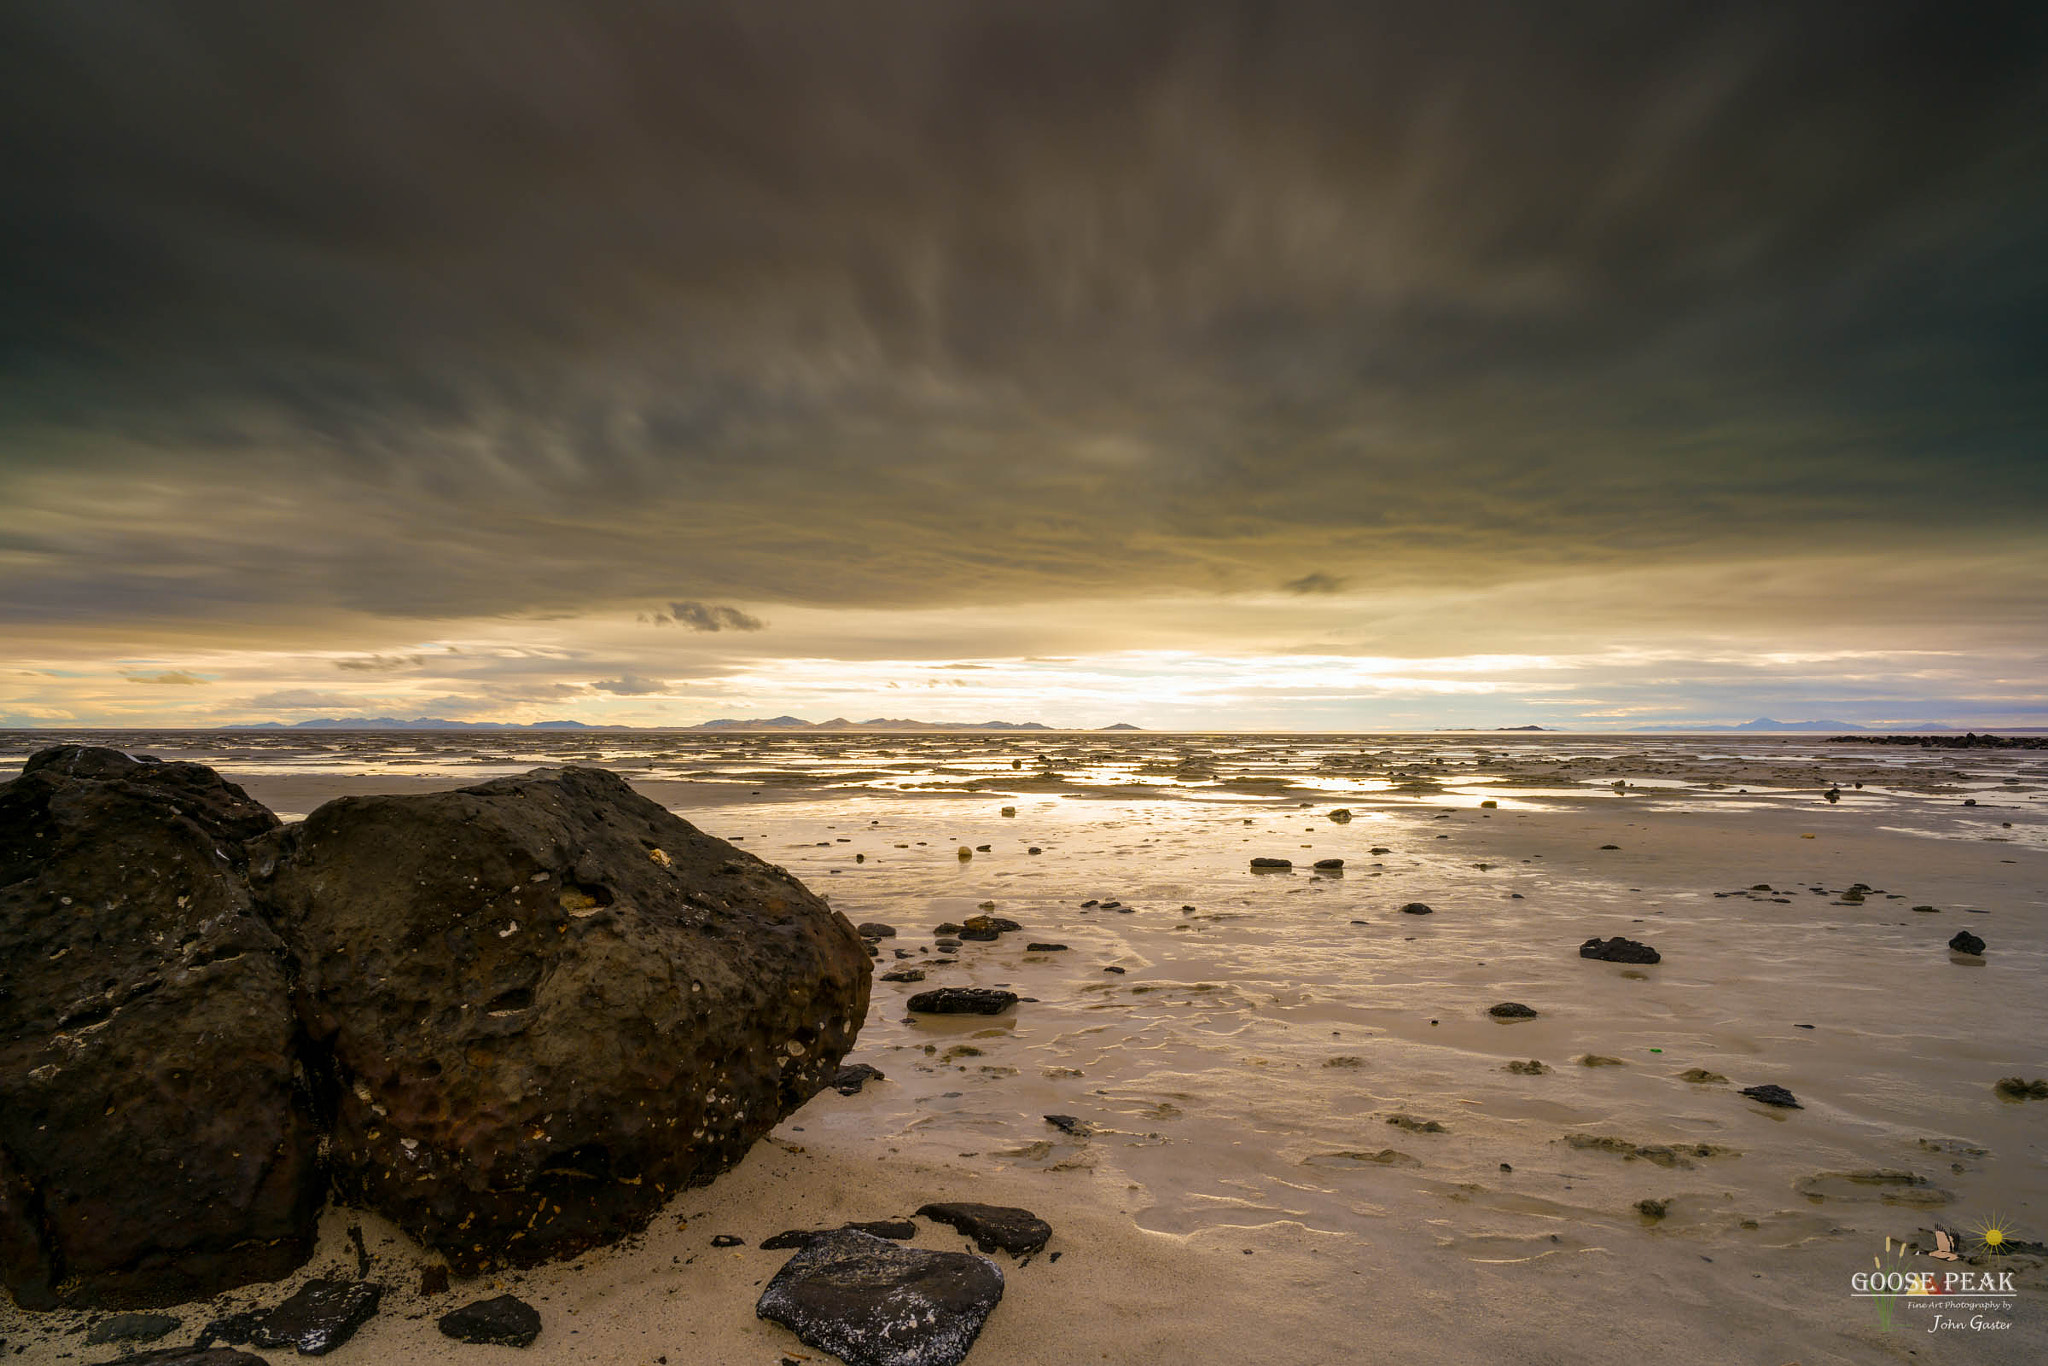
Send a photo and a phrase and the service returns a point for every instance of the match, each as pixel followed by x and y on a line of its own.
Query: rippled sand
pixel 1306 1142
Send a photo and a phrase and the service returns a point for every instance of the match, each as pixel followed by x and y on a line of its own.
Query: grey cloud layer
pixel 437 309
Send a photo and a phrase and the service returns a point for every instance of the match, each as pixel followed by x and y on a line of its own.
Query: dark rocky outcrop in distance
pixel 872 1303
pixel 548 1004
pixel 157 1134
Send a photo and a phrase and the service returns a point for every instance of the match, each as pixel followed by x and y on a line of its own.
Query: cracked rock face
pixel 157 1142
pixel 548 1004
pixel 872 1303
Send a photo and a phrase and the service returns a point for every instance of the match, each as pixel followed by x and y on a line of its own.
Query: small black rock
pixel 1016 1231
pixel 1619 950
pixel 1070 1124
pixel 849 1079
pixel 1415 908
pixel 1512 1010
pixel 1965 942
pixel 320 1317
pixel 875 929
pixel 1771 1094
pixel 899 1230
pixel 1272 863
pixel 1045 948
pixel 506 1321
pixel 963 1001
pixel 871 1303
pixel 132 1328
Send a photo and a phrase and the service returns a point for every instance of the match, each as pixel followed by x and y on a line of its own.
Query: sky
pixel 1282 365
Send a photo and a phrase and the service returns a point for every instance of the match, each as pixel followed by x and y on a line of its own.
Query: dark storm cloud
pixel 1314 583
pixel 707 616
pixel 435 309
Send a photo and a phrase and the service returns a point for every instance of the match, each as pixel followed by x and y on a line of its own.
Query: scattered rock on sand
pixel 904 975
pixel 1340 815
pixel 1512 1010
pixel 1965 942
pixel 1045 948
pixel 133 1328
pixel 1653 1210
pixel 2019 1088
pixel 1070 1124
pixel 1416 1126
pixel 1385 1157
pixel 553 1004
pixel 1772 1094
pixel 1272 863
pixel 193 1356
pixel 1600 1060
pixel 1531 1068
pixel 871 1303
pixel 1416 908
pixel 1016 1231
pixel 848 1080
pixel 506 1321
pixel 963 1001
pixel 156 1140
pixel 875 929
pixel 896 1230
pixel 320 1317
pixel 1329 864
pixel 1700 1076
pixel 1618 950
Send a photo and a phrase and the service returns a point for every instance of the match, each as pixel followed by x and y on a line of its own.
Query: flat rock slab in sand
pixel 871 1303
pixel 320 1317
pixel 506 1321
pixel 132 1328
pixel 193 1356
pixel 896 1230
pixel 1016 1231
pixel 963 1001
pixel 1773 1095
pixel 1619 950
pixel 848 1080
pixel 1512 1010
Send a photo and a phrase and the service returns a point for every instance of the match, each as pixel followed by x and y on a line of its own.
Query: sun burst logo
pixel 1994 1235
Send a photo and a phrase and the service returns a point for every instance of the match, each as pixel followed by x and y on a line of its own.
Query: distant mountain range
pixel 776 723
pixel 1765 723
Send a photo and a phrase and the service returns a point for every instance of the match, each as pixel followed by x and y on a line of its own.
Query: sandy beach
pixel 1300 1136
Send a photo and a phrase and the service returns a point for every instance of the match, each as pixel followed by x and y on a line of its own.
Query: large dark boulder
pixel 549 1004
pixel 157 1141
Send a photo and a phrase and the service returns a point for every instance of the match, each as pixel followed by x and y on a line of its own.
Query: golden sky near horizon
pixel 1305 365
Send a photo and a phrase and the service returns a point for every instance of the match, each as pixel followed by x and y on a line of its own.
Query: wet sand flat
pixel 1301 1136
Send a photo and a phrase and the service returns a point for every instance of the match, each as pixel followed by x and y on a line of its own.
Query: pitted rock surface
pixel 550 1004
pixel 872 1303
pixel 157 1141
